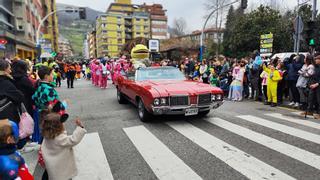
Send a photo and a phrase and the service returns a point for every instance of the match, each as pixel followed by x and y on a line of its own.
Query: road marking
pixel 294 120
pixel 303 116
pixel 163 162
pixel 240 161
pixel 91 159
pixel 286 149
pixel 283 128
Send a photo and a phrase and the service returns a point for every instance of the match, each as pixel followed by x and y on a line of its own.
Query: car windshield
pixel 160 74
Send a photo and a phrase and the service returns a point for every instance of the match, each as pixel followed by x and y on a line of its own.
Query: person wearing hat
pixel 314 93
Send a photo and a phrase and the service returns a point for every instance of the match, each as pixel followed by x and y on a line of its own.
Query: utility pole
pixel 314 10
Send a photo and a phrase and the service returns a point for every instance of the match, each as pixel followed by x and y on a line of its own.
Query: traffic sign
pixel 266 45
pixel 298 25
pixel 266 36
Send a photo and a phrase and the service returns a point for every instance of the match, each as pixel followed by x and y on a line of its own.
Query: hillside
pixel 73 29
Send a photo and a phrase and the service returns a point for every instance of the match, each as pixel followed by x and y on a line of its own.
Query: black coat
pixel 9 90
pixel 23 83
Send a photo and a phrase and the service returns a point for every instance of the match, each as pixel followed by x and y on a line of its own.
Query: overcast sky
pixel 192 10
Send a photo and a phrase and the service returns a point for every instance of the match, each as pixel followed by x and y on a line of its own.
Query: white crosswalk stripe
pixel 234 157
pixel 164 163
pixel 286 149
pixel 295 120
pixel 91 159
pixel 282 128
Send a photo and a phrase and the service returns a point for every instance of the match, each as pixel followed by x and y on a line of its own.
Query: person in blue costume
pixel 12 164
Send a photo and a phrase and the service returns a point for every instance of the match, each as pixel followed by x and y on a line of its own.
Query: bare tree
pixel 219 16
pixel 179 27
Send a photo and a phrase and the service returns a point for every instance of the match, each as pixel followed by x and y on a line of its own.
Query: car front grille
pixel 179 101
pixel 204 99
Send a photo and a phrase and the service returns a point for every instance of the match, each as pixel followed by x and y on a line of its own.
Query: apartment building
pixel 122 22
pixel 7 29
pixel 159 21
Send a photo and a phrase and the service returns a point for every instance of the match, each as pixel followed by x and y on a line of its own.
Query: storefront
pixel 25 52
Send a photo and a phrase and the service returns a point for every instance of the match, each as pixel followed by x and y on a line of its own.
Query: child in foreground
pixel 57 146
pixel 12 164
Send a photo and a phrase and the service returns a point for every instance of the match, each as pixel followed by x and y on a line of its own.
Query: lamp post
pixel 205 24
pixel 38 46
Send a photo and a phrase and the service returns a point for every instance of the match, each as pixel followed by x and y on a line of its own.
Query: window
pixel 138 28
pixel 137 19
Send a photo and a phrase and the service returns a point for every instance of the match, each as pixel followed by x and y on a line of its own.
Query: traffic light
pixel 244 4
pixel 53 54
pixel 83 13
pixel 311 33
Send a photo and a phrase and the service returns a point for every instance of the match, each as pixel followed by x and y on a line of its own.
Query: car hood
pixel 180 87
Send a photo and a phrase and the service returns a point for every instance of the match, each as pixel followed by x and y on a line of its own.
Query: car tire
pixel 204 113
pixel 121 98
pixel 143 113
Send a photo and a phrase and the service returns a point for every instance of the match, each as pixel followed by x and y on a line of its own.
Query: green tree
pixel 244 30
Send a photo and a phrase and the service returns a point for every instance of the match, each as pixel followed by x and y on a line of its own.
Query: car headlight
pixel 156 102
pixel 213 97
pixel 163 101
pixel 219 97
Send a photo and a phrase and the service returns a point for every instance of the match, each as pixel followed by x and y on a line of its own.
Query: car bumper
pixel 180 110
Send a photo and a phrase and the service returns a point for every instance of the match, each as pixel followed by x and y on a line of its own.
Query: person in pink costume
pixel 104 70
pixel 97 73
pixel 92 69
pixel 116 71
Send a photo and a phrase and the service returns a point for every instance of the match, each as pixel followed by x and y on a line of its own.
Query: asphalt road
pixel 236 141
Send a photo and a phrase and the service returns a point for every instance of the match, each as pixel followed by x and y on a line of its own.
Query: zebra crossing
pixel 165 163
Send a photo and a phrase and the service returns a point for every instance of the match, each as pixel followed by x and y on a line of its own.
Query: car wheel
pixel 143 113
pixel 121 98
pixel 204 113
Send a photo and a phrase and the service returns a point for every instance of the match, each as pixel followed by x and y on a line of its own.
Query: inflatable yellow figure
pixel 139 54
pixel 273 78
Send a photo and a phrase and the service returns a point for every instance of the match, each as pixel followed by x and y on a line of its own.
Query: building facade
pixel 7 29
pixel 92 42
pixel 65 48
pixel 122 22
pixel 19 21
pixel 159 21
pixel 27 18
pixel 209 34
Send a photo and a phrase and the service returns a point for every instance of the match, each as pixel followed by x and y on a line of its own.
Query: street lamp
pixel 68 10
pixel 243 5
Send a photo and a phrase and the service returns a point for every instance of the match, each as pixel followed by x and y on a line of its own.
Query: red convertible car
pixel 165 91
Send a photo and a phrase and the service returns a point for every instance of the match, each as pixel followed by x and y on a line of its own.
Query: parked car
pixel 165 91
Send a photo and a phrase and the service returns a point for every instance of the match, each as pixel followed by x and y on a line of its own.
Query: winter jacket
pixel 292 69
pixel 44 94
pixel 9 92
pixel 59 156
pixel 23 83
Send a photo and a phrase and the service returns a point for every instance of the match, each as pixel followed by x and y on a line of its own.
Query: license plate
pixel 191 111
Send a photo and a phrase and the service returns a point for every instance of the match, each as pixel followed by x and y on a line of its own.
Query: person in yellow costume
pixel 273 78
pixel 139 55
